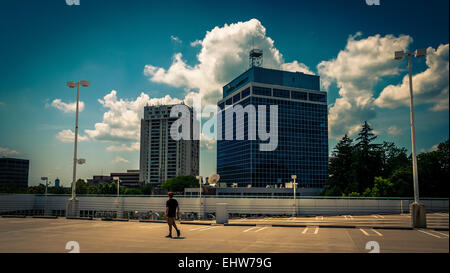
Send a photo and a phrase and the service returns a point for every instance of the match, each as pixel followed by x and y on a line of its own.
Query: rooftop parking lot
pixel 253 235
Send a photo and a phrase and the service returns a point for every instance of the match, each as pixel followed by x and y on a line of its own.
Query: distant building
pixel 97 179
pixel 129 179
pixel 57 183
pixel 14 173
pixel 161 157
pixel 302 148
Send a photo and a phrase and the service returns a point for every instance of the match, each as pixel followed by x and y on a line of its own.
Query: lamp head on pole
pixel 420 53
pixel 399 55
pixel 71 84
pixel 85 83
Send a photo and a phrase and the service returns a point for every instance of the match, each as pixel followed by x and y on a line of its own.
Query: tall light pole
pixel 77 85
pixel 116 178
pixel 44 178
pixel 294 185
pixel 200 194
pixel 418 216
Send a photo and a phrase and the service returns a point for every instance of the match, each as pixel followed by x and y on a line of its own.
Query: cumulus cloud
pixel 7 152
pixel 122 121
pixel 207 143
pixel 69 136
pixel 124 147
pixel 356 70
pixel 119 159
pixel 430 86
pixel 67 107
pixel 223 56
pixel 175 39
pixel 394 130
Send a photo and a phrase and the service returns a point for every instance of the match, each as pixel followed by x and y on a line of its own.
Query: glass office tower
pixel 302 131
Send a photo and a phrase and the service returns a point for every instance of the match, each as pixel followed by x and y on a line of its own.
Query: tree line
pixel 361 167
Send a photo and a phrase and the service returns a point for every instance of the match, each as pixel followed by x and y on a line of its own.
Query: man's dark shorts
pixel 171 220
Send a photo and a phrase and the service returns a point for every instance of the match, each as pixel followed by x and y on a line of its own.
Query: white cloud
pixel 124 148
pixel 356 70
pixel 119 159
pixel 394 130
pixel 175 39
pixel 207 143
pixel 430 86
pixel 196 43
pixel 7 152
pixel 67 107
pixel 223 56
pixel 122 121
pixel 69 136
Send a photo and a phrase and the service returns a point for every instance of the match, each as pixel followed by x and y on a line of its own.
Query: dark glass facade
pixel 302 137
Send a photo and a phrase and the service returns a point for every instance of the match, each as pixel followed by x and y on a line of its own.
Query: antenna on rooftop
pixel 255 57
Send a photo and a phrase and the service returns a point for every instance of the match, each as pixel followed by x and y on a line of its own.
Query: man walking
pixel 172 208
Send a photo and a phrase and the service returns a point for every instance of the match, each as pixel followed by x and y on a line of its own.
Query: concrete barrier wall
pixel 269 206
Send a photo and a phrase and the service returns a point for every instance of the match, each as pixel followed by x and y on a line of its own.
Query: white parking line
pixel 305 230
pixel 208 228
pixel 261 229
pixel 379 233
pixel 375 216
pixel 446 235
pixel 196 228
pixel 363 231
pixel 249 229
pixel 317 230
pixel 431 234
pixel 381 216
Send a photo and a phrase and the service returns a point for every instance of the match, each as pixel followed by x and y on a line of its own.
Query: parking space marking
pixel 196 228
pixel 363 231
pixel 261 229
pixel 208 228
pixel 446 235
pixel 377 232
pixel 317 230
pixel 428 233
pixel 249 229
pixel 305 230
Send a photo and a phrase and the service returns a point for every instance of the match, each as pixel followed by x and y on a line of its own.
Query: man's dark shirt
pixel 172 204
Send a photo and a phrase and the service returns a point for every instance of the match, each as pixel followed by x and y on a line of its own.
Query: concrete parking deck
pixel 18 235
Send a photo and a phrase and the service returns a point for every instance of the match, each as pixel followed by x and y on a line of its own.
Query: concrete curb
pixel 79 218
pixel 46 217
pixel 190 223
pixel 152 221
pixel 14 216
pixel 440 229
pixel 115 219
pixel 241 225
pixel 397 228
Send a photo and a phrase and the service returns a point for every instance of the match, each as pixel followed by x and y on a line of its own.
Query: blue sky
pixel 120 45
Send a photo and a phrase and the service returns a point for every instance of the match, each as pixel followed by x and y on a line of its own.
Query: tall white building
pixel 162 157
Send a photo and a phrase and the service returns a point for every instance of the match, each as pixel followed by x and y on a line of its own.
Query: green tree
pixel 433 169
pixel 179 183
pixel 393 158
pixel 341 179
pixel 81 187
pixel 367 158
pixel 403 181
pixel 382 187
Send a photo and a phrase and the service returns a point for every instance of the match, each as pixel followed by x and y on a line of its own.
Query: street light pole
pixel 75 160
pixel 200 194
pixel 413 133
pixel 295 194
pixel 418 216
pixel 75 145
